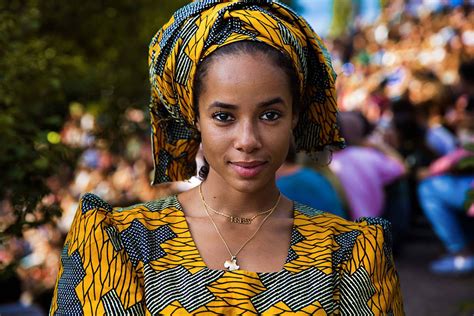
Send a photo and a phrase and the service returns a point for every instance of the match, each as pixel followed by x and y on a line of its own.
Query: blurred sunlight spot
pixel 50 53
pixel 336 166
pixel 53 138
pixel 381 33
pixel 76 109
pixel 468 37
pixel 389 59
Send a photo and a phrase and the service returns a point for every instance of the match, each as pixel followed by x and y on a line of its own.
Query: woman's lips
pixel 248 169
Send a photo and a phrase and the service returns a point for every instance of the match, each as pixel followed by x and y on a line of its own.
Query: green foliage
pixel 469 147
pixel 110 40
pixel 32 95
pixel 466 164
pixel 54 53
pixel 342 15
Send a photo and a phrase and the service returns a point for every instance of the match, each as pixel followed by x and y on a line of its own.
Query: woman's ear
pixel 198 125
pixel 294 120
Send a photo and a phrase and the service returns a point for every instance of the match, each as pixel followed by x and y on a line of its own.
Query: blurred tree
pixel 32 97
pixel 289 2
pixel 342 12
pixel 53 54
pixel 111 38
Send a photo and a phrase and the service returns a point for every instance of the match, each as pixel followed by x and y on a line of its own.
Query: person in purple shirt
pixel 365 167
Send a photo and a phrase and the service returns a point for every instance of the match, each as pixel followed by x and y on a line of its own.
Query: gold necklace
pixel 237 219
pixel 231 264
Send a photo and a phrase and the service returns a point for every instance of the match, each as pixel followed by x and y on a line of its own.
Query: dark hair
pixel 291 156
pixel 466 71
pixel 355 127
pixel 13 283
pixel 275 56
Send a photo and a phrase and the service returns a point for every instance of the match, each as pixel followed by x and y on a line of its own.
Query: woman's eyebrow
pixel 222 105
pixel 270 102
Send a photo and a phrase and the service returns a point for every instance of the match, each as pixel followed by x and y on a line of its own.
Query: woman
pixel 240 77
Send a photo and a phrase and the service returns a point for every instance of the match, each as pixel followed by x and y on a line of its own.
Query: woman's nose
pixel 247 138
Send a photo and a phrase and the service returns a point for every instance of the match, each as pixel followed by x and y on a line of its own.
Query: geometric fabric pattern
pixel 178 284
pixel 387 232
pixel 91 201
pixel 200 28
pixel 296 290
pixel 296 237
pixel 347 242
pixel 142 260
pixel 113 306
pixel 114 237
pixel 356 291
pixel 72 275
pixel 143 244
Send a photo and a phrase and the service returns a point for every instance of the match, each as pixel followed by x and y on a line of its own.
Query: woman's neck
pixel 223 197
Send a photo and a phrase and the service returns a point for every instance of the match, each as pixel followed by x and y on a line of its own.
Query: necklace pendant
pixel 231 264
pixel 240 220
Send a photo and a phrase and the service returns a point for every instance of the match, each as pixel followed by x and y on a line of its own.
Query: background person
pixel 364 167
pixel 308 186
pixel 443 195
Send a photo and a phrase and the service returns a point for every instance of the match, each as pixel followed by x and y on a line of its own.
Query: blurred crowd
pixel 406 88
pixel 121 177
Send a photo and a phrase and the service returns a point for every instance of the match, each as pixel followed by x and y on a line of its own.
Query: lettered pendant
pixel 231 264
pixel 240 220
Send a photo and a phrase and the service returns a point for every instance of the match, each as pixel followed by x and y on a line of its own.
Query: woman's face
pixel 245 120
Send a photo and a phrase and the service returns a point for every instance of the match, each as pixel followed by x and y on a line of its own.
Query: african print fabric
pixel 142 260
pixel 200 28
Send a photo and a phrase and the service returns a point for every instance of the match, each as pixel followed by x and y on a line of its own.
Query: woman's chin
pixel 251 185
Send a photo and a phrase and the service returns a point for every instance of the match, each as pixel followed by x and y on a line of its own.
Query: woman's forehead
pixel 245 79
pixel 249 68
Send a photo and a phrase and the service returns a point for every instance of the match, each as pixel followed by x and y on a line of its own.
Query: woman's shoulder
pixel 96 221
pixel 90 202
pixel 364 245
pixel 151 214
pixel 338 225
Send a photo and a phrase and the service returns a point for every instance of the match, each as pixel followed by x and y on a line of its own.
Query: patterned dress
pixel 142 260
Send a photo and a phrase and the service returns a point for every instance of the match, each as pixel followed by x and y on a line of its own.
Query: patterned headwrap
pixel 200 28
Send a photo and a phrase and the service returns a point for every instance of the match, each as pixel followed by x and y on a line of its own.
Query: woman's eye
pixel 222 117
pixel 271 116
